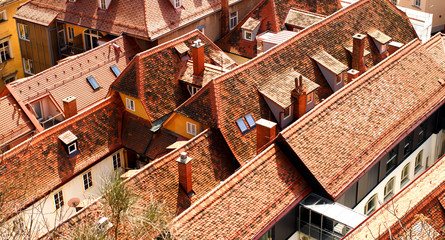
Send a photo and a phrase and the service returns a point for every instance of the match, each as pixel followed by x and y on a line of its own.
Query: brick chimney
pixel 299 93
pixel 69 106
pixel 358 52
pixel 198 57
pixel 265 131
pixel 185 173
pixel 352 74
pixel 224 17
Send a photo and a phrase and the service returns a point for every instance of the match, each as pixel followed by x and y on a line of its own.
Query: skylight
pixel 250 120
pixel 93 83
pixel 241 125
pixel 115 70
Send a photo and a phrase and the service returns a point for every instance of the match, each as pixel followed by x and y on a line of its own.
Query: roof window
pixel 241 123
pixel 93 83
pixel 115 70
pixel 69 141
pixel 176 3
pixel 250 28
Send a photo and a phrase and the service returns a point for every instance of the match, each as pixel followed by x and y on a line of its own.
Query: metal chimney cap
pixel 183 158
pixel 197 43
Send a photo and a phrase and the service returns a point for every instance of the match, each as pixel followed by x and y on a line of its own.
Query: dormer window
pixel 250 29
pixel 340 78
pixel 176 3
pixel 380 40
pixel 192 90
pixel 69 141
pixel 103 4
pixel 332 69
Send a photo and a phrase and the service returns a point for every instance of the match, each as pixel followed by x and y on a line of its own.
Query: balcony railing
pixel 51 121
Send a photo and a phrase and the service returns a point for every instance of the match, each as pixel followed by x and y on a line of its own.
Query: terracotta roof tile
pixel 44 160
pixel 246 202
pixel 324 7
pixel 251 24
pixel 158 146
pixel 236 91
pixel 37 14
pixel 233 41
pixel 379 36
pixel 329 62
pixel 211 162
pixel 360 121
pixel 420 197
pixel 302 19
pixel 136 134
pixel 153 75
pixel 14 123
pixel 69 78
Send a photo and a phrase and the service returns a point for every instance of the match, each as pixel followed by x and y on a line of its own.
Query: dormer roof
pixel 329 62
pixel 301 18
pixel 279 88
pixel 349 49
pixel 379 36
pixel 251 24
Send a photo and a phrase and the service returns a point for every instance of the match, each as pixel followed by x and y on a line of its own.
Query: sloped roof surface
pixel 236 91
pixel 42 164
pixel 13 121
pixel 329 62
pixel 233 41
pixel 153 75
pixel 246 202
pixel 324 7
pixel 69 78
pixel 303 19
pixel 365 117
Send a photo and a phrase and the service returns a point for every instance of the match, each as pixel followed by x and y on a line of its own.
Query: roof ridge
pixel 285 44
pixel 432 41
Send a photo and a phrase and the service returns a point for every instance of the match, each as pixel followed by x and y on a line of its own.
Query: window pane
pixel 115 70
pixel 93 83
pixel 241 125
pixel 250 120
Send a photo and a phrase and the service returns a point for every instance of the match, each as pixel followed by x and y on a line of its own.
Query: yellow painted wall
pixel 178 124
pixel 78 35
pixel 9 28
pixel 139 109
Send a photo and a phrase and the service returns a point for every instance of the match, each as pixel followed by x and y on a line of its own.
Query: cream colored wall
pixel 9 28
pixel 430 152
pixel 44 210
pixel 436 7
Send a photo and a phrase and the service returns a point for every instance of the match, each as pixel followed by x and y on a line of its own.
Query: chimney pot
pixel 352 74
pixel 198 57
pixel 265 131
pixel 358 52
pixel 69 106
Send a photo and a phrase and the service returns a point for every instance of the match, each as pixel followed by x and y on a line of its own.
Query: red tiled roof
pixel 422 196
pixel 233 41
pixel 13 121
pixel 140 18
pixel 324 7
pixel 153 75
pixel 136 134
pixel 42 164
pixel 236 92
pixel 246 202
pixel 360 121
pixel 211 162
pixel 69 78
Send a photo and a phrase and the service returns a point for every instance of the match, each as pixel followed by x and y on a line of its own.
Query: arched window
pixel 389 189
pixel 371 205
pixel 405 175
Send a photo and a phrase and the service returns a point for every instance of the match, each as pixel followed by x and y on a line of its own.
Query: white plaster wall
pixel 43 216
pixel 428 152
pixel 278 113
pixel 330 78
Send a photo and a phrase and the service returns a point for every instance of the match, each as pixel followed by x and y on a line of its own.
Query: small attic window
pixel 103 4
pixel 69 141
pixel 250 120
pixel 248 35
pixel 241 125
pixel 115 70
pixel 250 28
pixel 176 3
pixel 93 83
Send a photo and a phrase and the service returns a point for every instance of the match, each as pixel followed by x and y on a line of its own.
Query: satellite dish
pixel 73 202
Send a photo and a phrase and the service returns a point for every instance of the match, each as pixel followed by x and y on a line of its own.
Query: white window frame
pixel 130 104
pixel 417 3
pixel 245 35
pixel 369 210
pixel 103 4
pixel 29 63
pixel 87 180
pixel 178 4
pixel 389 189
pixel 289 109
pixel 70 31
pixel 233 19
pixel 418 164
pixel 74 144
pixel 117 161
pixel 340 78
pixel 191 128
pixel 404 177
pixel 4 16
pixel 59 196
pixel 3 50
pixel 25 35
